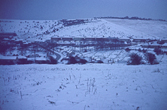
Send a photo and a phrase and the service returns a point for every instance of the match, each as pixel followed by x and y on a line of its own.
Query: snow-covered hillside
pixel 83 87
pixel 30 30
pixel 153 28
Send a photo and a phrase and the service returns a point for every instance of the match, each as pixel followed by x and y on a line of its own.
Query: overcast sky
pixel 67 9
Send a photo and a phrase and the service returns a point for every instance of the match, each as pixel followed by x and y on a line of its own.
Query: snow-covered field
pixel 83 87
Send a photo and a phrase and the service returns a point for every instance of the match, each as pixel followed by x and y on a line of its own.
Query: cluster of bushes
pixel 158 51
pixel 127 50
pixel 76 60
pixel 136 59
pixel 4 48
pixel 52 60
pixel 151 58
pixel 161 42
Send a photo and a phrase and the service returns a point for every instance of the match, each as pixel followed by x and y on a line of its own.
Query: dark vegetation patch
pixel 135 59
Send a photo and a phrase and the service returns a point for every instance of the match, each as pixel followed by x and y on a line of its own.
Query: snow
pixel 165 44
pixel 110 86
pixel 99 29
pixel 154 29
pixel 83 87
pixel 41 30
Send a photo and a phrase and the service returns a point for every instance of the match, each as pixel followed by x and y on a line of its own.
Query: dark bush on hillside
pixel 72 60
pixel 158 50
pixel 75 60
pixel 127 50
pixel 151 58
pixel 139 50
pixel 99 61
pixel 161 42
pixel 134 59
pixel 144 50
pixel 85 50
pixel 165 52
pixel 82 61
pixel 52 60
pixel 4 48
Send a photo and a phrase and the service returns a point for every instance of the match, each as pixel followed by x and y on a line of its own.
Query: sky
pixel 71 9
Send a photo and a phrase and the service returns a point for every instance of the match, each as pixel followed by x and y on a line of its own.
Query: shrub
pixel 161 42
pixel 85 50
pixel 165 52
pixel 151 58
pixel 72 60
pixel 139 50
pixel 157 50
pixel 127 50
pixel 99 61
pixel 144 50
pixel 82 61
pixel 75 60
pixel 4 48
pixel 52 60
pixel 134 59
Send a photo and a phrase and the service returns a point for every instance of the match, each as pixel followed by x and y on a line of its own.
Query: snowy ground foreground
pixel 83 87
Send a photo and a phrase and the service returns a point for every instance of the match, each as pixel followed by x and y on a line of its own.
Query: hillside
pixel 41 30
pixel 82 74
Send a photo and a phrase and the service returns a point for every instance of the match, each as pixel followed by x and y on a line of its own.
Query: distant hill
pixel 130 18
pixel 125 27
